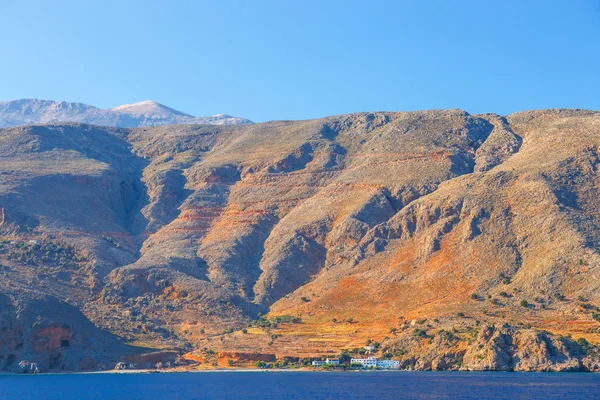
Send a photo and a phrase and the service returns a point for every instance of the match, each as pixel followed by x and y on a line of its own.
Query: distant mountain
pixel 149 108
pixel 145 113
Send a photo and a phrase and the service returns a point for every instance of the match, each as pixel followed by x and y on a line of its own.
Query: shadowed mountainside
pixel 430 232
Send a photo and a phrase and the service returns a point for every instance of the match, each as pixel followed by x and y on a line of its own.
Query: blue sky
pixel 291 59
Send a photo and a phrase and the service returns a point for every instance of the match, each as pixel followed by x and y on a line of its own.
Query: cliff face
pixel 362 226
pixel 39 333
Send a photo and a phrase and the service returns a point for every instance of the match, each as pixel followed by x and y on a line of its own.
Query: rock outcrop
pixel 39 334
pixel 491 348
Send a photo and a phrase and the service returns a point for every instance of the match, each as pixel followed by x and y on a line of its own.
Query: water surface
pixel 302 385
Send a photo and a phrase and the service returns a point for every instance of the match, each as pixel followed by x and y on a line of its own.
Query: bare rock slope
pixel 430 230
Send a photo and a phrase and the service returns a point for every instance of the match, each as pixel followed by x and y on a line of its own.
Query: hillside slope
pixel 454 240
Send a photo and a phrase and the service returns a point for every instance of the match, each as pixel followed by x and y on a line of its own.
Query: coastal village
pixel 361 363
pixel 368 362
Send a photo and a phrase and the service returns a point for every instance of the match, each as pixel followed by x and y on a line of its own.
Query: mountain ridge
pixel 454 241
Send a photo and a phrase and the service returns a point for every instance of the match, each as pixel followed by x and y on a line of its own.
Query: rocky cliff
pixel 456 241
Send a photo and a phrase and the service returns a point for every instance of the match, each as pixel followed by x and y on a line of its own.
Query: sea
pixel 301 385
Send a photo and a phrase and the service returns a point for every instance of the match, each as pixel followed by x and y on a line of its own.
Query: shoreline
pixel 257 370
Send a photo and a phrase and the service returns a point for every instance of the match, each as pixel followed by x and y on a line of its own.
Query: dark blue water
pixel 302 385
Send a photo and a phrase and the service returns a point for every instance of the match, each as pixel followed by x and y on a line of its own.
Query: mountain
pixel 149 108
pixel 446 240
pixel 145 113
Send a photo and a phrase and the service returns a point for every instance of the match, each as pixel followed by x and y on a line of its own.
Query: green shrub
pixel 420 332
pixel 585 345
pixel 505 279
pixel 263 322
pixel 262 365
pixel 285 319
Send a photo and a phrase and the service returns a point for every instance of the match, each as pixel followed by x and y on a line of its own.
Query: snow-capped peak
pixel 148 107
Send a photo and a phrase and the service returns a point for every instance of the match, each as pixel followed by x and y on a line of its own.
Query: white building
pixel 372 362
pixel 369 362
pixel 369 348
pixel 328 361
pixel 388 364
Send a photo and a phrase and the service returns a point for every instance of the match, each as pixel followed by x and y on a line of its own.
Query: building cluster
pixel 366 363
pixel 328 361
pixel 372 362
